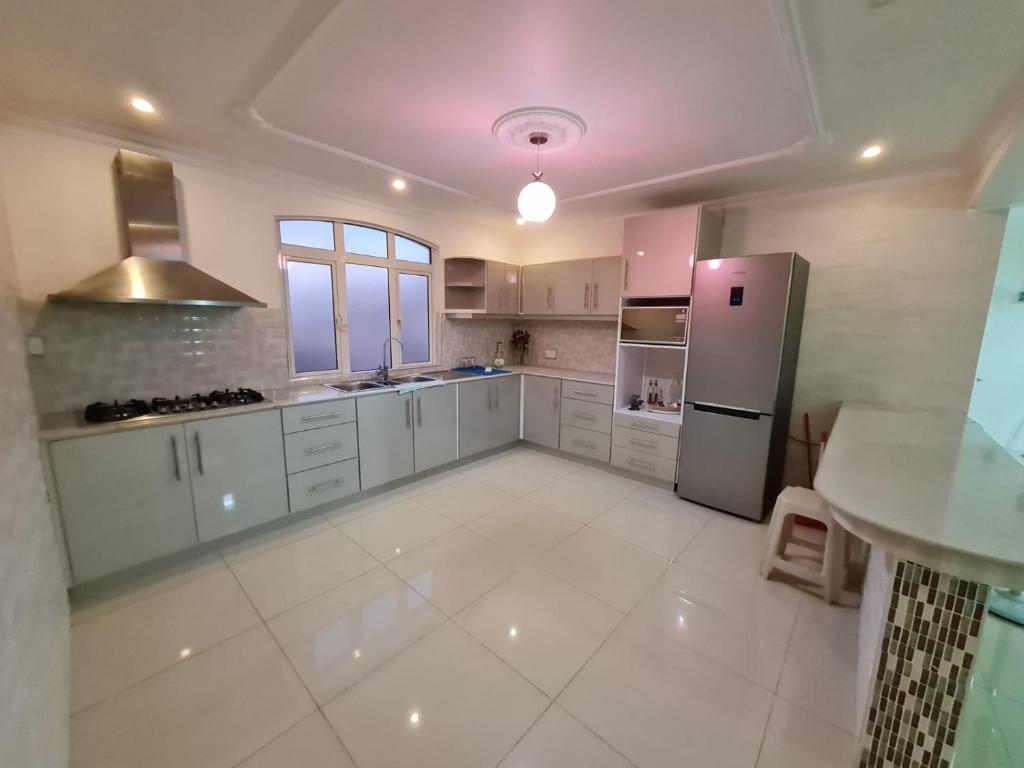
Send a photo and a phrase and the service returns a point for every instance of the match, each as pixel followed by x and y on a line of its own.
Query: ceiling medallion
pixel 530 129
pixel 563 128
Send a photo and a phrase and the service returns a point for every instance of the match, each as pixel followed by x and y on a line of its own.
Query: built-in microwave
pixel 654 324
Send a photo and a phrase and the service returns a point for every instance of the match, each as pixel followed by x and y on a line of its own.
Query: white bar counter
pixel 929 487
pixel 942 505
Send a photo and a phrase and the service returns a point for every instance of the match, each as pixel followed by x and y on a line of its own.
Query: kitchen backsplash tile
pixel 102 352
pixel 582 345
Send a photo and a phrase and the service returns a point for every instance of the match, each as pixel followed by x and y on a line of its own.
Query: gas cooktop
pixel 163 406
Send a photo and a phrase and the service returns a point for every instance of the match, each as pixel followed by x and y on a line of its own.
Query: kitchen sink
pixel 355 386
pixel 415 379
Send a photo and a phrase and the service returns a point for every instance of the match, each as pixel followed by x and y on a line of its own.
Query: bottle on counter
pixel 499 355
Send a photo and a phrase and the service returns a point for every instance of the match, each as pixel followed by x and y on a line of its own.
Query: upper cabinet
pixel 576 287
pixel 502 288
pixel 538 289
pixel 660 249
pixel 480 286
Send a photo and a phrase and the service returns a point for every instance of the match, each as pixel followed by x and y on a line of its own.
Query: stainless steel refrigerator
pixel 745 319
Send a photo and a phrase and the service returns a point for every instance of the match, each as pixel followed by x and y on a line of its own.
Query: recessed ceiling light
pixel 398 184
pixel 871 152
pixel 520 220
pixel 143 105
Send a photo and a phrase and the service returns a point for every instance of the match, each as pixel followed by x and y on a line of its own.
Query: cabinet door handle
pixel 625 282
pixel 419 412
pixel 496 403
pixel 555 391
pixel 199 455
pixel 319 416
pixel 586 295
pixel 593 305
pixel 408 415
pixel 584 393
pixel 585 444
pixel 327 484
pixel 584 416
pixel 643 443
pixel 321 448
pixel 551 298
pixel 490 398
pixel 642 464
pixel 174 453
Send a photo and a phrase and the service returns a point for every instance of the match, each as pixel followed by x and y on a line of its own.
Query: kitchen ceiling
pixel 683 99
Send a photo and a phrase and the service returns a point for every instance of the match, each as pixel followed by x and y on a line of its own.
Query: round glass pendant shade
pixel 537 201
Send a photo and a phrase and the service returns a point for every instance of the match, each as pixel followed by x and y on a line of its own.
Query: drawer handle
pixel 585 393
pixel 317 417
pixel 642 464
pixel 320 448
pixel 585 444
pixel 326 485
pixel 584 416
pixel 643 425
pixel 643 443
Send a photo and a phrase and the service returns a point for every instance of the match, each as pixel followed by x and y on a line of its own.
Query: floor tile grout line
pixel 174 665
pixel 298 677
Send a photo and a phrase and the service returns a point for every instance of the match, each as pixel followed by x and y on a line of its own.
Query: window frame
pixel 337 259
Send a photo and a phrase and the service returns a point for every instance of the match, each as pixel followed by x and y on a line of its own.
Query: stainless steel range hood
pixel 154 271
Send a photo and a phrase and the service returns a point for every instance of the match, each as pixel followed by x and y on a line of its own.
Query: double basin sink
pixel 362 386
pixel 464 373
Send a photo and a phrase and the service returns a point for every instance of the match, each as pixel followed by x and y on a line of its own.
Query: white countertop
pixel 929 487
pixel 70 424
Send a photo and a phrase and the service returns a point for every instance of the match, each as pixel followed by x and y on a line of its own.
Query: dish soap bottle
pixel 499 355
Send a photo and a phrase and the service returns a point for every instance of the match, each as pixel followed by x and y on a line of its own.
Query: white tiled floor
pixel 539 613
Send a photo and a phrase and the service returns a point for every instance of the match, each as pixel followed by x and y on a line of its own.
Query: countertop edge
pixel 281 397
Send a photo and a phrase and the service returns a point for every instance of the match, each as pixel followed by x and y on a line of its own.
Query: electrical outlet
pixel 35 346
pixel 550 354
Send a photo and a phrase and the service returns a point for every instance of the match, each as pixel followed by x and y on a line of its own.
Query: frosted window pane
pixel 369 318
pixel 364 241
pixel 311 234
pixel 410 250
pixel 414 310
pixel 311 305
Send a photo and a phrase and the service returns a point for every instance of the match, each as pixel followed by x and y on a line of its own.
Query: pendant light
pixel 537 199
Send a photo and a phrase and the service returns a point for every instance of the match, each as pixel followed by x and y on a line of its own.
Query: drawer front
pixel 314 415
pixel 584 442
pixel 647 424
pixel 646 442
pixel 657 467
pixel 591 393
pixel 593 416
pixel 323 484
pixel 317 447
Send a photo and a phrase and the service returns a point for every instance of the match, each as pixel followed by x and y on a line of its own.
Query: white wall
pixel 64 224
pixel 550 242
pixel 997 402
pixel 901 276
pixel 34 632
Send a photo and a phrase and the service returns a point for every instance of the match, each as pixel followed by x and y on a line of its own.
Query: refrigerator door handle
pixel 725 410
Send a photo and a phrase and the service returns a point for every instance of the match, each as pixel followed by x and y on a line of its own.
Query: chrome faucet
pixel 382 372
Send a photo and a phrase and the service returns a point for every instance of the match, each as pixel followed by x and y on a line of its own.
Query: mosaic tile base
pixel 929 645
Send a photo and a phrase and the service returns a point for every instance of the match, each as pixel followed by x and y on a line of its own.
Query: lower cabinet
pixel 331 482
pixel 542 399
pixel 125 498
pixel 238 473
pixel 436 431
pixel 385 438
pixel 488 414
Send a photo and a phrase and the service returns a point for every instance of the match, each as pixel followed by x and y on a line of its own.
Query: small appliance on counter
pixel 96 413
